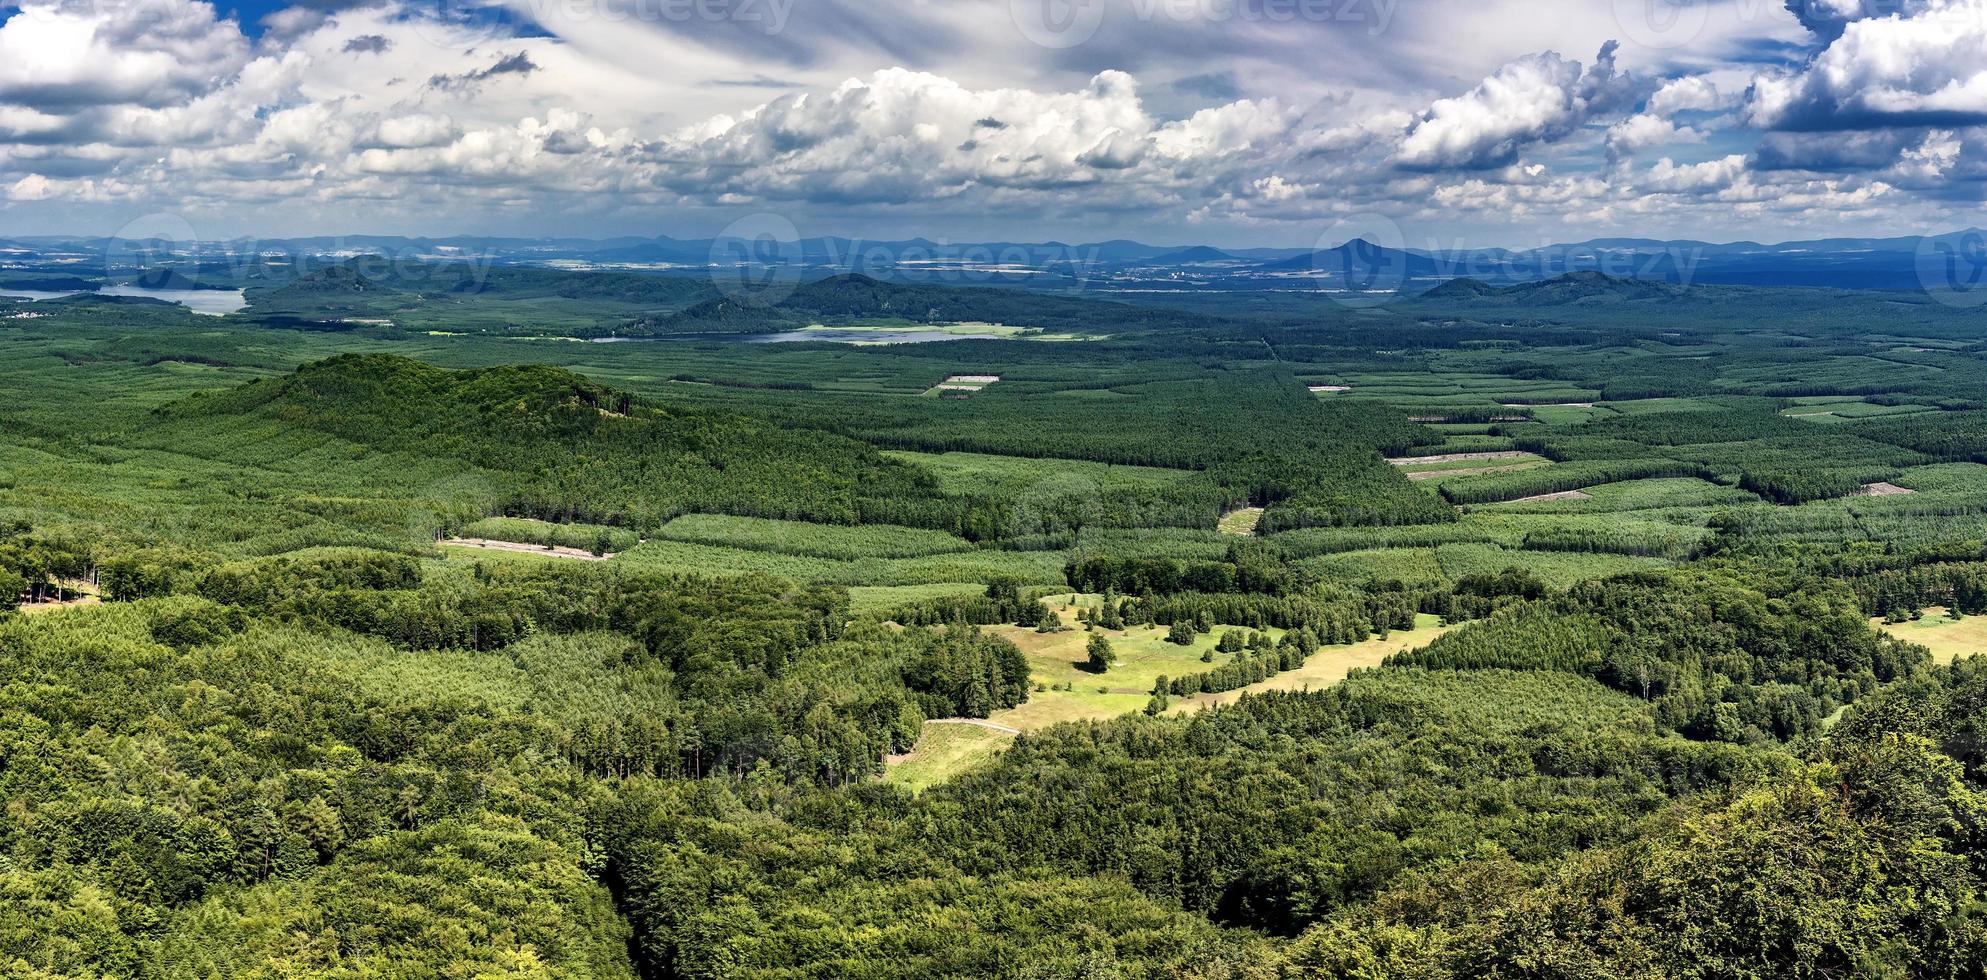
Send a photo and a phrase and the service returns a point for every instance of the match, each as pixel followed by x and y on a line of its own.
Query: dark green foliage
pixel 963 674
pixel 1949 436
pixel 1098 650
pixel 573 450
pixel 1718 659
pixel 859 298
pixel 34 567
pixel 1577 474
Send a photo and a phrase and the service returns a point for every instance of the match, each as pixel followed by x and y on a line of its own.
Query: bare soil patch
pixel 1241 522
pixel 1882 490
pixel 1550 497
pixel 1472 471
pixel 1458 458
pixel 526 549
pixel 976 723
pixel 42 607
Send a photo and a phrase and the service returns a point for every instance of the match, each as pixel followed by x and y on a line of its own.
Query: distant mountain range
pixel 1848 263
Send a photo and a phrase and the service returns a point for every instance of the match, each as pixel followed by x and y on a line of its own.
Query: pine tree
pixel 1101 656
pixel 1048 622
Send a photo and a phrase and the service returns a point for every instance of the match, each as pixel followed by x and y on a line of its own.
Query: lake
pixel 210 302
pixel 847 335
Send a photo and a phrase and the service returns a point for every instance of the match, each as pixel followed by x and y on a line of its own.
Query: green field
pixel 1327 667
pixel 943 752
pixel 1947 637
pixel 1057 661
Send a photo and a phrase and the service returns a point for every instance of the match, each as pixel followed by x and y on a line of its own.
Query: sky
pixel 1235 123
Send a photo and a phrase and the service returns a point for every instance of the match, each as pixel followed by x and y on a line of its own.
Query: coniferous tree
pixel 1101 656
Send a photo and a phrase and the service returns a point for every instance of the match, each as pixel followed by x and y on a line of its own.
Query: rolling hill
pixel 562 446
pixel 860 298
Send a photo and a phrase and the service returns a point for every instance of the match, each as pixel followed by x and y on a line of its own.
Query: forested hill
pixel 467 297
pixel 567 448
pixel 841 299
pixel 372 274
pixel 1574 287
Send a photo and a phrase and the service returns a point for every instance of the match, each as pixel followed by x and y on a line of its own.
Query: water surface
pixel 211 302
pixel 819 335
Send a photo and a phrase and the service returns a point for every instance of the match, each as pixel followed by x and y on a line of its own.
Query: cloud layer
pixel 1172 121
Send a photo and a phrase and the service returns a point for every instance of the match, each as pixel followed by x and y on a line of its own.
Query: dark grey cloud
pixel 513 64
pixel 368 44
pixel 1219 86
pixel 566 143
pixel 1834 152
pixel 1827 19
pixel 754 81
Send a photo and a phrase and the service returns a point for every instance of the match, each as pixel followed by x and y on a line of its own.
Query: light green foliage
pixel 1034 567
pixel 814 540
pixel 1558 569
pixel 585 537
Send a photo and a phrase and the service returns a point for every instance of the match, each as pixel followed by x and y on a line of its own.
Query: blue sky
pixel 1232 122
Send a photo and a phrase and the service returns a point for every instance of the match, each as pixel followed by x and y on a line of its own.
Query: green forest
pixel 391 629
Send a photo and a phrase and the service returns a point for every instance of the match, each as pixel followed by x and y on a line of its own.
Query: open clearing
pixel 1241 522
pixel 1420 476
pixel 1947 638
pixel 1459 458
pixel 549 551
pixel 1882 490
pixel 964 384
pixel 1328 666
pixel 948 747
pixel 944 751
pixel 1057 661
pixel 1546 498
pixel 34 608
